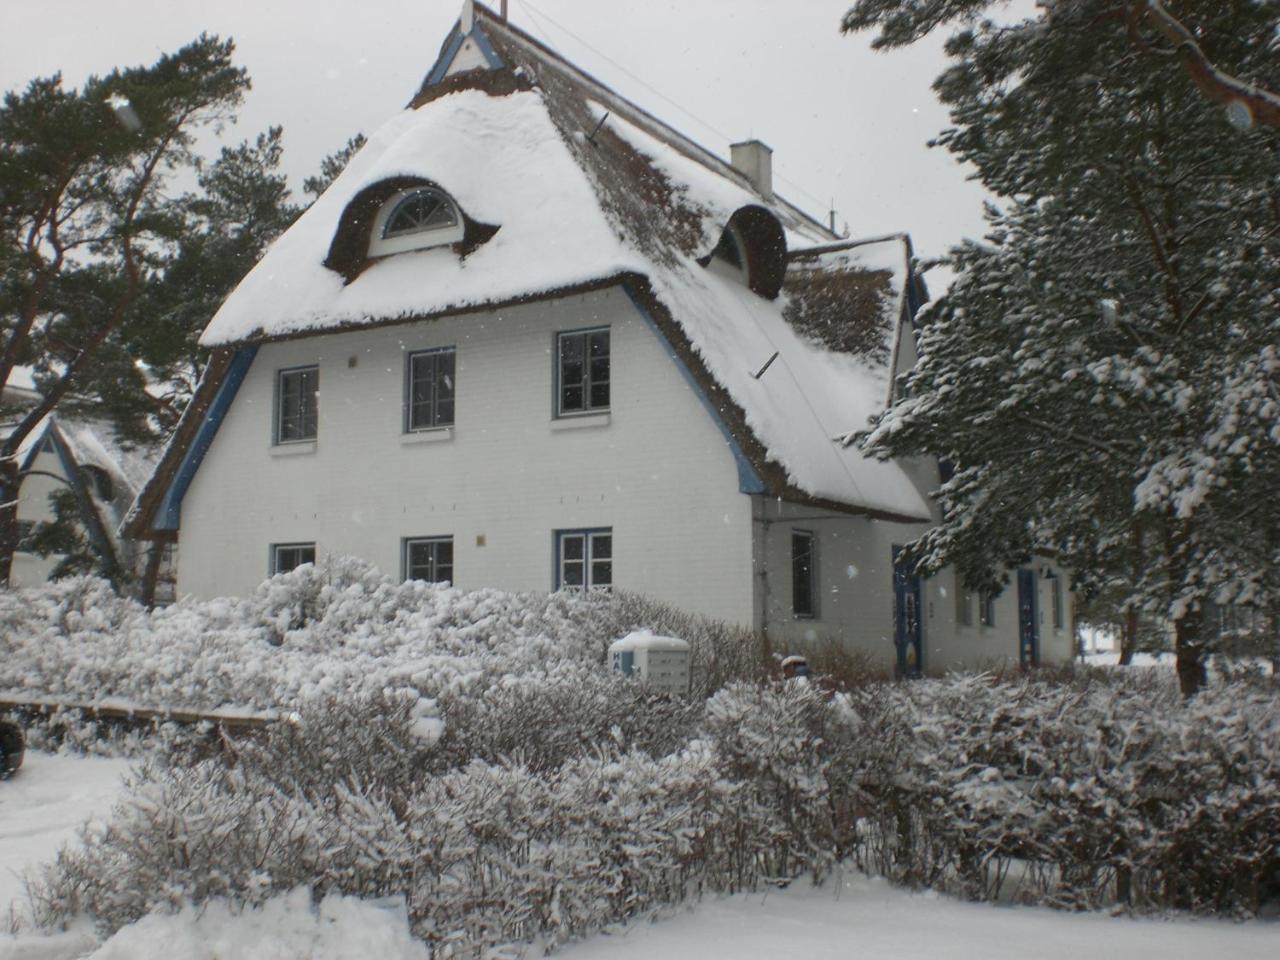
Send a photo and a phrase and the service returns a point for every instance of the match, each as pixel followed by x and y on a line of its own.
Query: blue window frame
pixel 584 559
pixel 430 382
pixel 582 371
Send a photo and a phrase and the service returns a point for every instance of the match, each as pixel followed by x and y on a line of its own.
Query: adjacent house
pixel 534 338
pixel 80 457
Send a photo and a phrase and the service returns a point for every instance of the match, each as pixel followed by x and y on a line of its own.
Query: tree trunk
pixel 1129 637
pixel 10 481
pixel 1190 651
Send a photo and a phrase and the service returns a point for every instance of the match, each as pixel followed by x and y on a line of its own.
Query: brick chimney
pixel 755 161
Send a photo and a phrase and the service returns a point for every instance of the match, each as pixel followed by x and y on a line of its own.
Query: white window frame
pixel 436 423
pixel 381 246
pixel 590 559
pixel 588 407
pixel 278 433
pixel 277 548
pixel 433 564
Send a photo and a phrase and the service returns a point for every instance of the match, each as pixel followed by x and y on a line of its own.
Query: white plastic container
pixel 663 662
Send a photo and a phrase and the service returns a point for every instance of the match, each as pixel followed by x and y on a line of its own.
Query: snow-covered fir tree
pixel 1103 373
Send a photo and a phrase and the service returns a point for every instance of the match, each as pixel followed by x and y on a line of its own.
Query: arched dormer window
pixel 753 250
pixel 415 219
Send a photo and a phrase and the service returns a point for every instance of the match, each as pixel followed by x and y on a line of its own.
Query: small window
pixel 987 609
pixel 585 560
pixel 429 558
pixel 582 380
pixel 287 556
pixel 297 393
pixel 804 593
pixel 430 388
pixel 964 605
pixel 414 220
pixel 1056 587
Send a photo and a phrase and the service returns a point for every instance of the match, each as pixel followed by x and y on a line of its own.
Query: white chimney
pixel 755 161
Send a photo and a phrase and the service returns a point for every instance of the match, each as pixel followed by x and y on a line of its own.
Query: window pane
pixel 600 344
pixel 600 394
pixel 802 569
pixel 571 398
pixel 601 546
pixel 601 573
pixel 572 574
pixel 572 546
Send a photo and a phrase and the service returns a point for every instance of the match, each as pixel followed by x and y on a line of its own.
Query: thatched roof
pixel 565 186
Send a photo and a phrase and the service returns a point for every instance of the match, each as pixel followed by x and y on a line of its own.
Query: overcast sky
pixel 846 125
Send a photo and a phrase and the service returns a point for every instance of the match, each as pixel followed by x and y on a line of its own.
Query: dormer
pixel 753 250
pixel 401 215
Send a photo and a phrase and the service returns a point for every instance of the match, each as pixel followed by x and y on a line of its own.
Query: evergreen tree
pixel 1103 372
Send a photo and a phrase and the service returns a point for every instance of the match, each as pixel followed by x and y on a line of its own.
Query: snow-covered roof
pixel 585 188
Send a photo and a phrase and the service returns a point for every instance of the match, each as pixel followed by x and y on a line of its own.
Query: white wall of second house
pixel 656 469
pixel 34 506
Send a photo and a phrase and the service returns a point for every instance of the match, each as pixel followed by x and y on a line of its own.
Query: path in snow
pixel 41 808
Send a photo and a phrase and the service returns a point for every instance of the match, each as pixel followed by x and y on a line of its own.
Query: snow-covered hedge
pixel 471 753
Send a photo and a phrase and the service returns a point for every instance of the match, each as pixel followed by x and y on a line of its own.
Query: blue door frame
pixel 1028 619
pixel 908 638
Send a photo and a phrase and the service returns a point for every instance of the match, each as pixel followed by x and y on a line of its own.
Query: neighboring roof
pixel 586 189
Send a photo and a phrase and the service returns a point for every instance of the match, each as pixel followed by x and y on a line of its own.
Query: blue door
pixel 907 629
pixel 1028 620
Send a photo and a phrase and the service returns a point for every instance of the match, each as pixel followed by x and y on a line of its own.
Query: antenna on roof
pixel 468 16
pixel 831 215
pixel 591 137
pixel 502 11
pixel 760 373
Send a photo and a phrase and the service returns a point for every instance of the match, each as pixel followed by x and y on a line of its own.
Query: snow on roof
pixel 577 202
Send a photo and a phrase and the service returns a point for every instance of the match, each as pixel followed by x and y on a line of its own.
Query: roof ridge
pixel 652 124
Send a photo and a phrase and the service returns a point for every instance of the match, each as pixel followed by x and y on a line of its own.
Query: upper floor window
pixel 582 371
pixel 430 388
pixel 804 593
pixel 287 556
pixel 297 392
pixel 414 219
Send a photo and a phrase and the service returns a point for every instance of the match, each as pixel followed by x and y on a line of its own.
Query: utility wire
pixel 535 12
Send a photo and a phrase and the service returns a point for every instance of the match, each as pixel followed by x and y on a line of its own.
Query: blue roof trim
pixel 748 480
pixel 453 45
pixel 170 512
pixel 35 448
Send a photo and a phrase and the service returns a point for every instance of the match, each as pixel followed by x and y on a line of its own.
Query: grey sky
pixel 845 124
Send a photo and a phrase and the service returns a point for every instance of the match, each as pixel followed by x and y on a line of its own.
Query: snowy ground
pixel 40 809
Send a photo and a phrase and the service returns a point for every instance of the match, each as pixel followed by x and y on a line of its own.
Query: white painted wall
pixel 656 469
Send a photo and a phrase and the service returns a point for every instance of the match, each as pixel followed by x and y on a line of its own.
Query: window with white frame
pixel 297 393
pixel 429 385
pixel 584 559
pixel 415 219
pixel 582 371
pixel 428 558
pixel 287 556
pixel 804 567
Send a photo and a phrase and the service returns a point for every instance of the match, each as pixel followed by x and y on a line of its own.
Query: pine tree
pixel 1103 371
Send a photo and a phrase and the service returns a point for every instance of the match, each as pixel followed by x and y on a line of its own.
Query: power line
pixel 536 13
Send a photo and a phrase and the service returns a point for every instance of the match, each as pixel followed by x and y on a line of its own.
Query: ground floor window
pixel 804 592
pixel 987 609
pixel 1056 586
pixel 964 605
pixel 429 558
pixel 584 559
pixel 287 556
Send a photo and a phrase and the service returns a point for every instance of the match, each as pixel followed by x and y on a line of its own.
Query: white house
pixel 534 338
